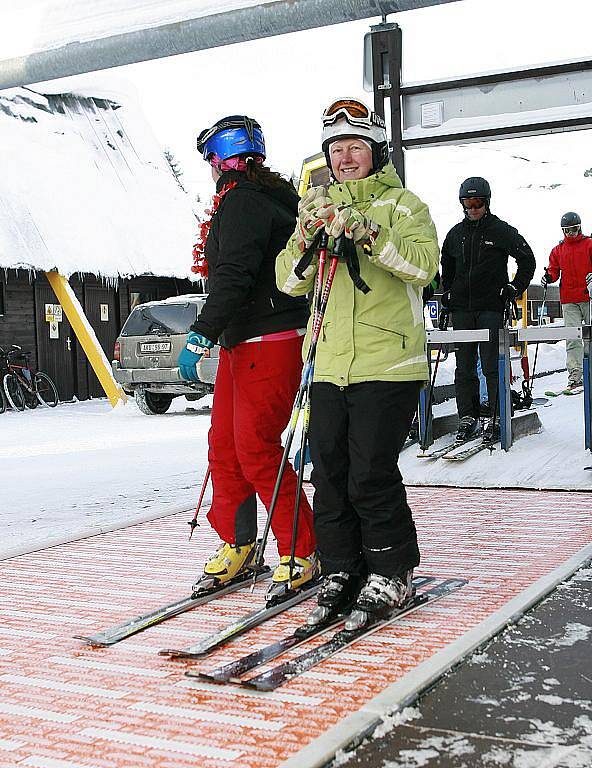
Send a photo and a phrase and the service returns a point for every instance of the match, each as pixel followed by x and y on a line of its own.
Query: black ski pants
pixel 361 517
pixel 466 380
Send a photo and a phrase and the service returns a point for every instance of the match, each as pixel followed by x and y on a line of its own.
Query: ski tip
pixel 93 642
pixel 204 676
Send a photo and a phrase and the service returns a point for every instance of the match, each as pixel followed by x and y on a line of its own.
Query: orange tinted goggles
pixel 351 106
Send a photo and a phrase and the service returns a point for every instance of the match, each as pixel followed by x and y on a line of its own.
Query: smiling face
pixel 351 158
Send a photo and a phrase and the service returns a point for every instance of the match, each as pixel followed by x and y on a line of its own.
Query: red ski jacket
pixel 572 258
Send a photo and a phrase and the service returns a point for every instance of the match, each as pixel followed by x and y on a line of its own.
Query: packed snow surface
pixel 84 467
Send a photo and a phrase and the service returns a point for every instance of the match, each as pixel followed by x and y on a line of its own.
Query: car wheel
pixel 152 403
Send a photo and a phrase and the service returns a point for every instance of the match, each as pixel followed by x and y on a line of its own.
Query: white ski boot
pixel 336 595
pixel 378 597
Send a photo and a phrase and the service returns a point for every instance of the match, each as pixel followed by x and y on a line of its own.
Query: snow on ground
pixel 553 459
pixel 83 467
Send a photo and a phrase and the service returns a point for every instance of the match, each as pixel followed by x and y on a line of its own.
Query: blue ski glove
pixel 191 354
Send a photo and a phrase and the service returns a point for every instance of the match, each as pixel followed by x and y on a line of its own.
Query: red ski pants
pixel 254 392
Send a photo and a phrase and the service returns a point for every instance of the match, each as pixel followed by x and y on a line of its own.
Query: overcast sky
pixel 286 81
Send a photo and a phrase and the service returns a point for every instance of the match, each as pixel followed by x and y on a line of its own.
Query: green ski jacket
pixel 380 335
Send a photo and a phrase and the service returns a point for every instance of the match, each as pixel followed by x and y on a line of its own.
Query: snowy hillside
pixel 530 188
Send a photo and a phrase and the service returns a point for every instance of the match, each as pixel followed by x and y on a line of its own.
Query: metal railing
pixel 508 338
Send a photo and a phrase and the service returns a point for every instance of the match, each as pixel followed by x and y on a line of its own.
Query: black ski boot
pixel 491 434
pixel 378 597
pixel 337 595
pixel 468 428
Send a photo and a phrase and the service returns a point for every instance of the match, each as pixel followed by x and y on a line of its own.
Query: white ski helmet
pixel 346 118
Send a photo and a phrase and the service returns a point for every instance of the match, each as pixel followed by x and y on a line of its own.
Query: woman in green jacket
pixel 370 363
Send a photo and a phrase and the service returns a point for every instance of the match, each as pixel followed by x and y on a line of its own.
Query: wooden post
pixel 86 336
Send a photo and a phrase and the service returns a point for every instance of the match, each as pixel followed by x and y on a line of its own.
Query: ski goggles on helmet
pixel 573 229
pixel 473 203
pixel 354 112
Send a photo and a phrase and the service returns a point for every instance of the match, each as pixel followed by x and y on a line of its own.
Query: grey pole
pixel 387 57
pixel 194 34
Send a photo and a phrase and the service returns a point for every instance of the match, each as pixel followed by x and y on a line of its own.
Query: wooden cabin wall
pixel 17 323
pixel 22 321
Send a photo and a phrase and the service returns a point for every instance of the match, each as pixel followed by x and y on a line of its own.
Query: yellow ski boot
pixel 226 564
pixel 305 569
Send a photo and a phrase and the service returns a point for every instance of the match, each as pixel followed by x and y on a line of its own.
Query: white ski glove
pixel 354 224
pixel 313 211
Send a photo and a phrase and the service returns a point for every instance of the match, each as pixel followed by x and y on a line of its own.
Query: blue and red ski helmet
pixel 231 136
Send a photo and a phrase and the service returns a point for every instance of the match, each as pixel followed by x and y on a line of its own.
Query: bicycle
pixel 22 386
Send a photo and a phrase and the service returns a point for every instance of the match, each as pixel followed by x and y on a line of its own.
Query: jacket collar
pixel 574 240
pixel 482 222
pixel 368 189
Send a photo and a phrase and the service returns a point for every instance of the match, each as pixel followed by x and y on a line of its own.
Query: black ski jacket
pixel 249 229
pixel 475 263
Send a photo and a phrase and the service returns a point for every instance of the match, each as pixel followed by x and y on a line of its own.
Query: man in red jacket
pixel 572 260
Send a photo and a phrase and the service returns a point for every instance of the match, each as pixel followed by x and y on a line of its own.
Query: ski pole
pixel 193 523
pixel 306 417
pixel 307 374
pixel 299 483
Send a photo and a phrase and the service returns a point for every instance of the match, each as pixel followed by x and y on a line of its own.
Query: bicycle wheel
pixel 47 393
pixel 14 393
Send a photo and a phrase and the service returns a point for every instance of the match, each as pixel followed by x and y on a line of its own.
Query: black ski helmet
pixel 570 219
pixel 475 186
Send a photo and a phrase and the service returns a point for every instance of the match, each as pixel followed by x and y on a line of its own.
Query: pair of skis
pixel 450 451
pixel 236 628
pixel 280 674
pixel 272 678
pixel 157 616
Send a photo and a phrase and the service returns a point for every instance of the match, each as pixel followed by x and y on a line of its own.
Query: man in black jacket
pixel 476 288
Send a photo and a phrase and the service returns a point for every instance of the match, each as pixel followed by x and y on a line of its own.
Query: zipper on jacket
pixel 402 336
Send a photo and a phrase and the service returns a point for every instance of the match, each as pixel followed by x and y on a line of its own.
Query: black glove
pixel 445 299
pixel 546 279
pixel 509 292
pixel 443 319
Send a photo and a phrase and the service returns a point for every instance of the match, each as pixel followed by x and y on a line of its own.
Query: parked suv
pixel 146 352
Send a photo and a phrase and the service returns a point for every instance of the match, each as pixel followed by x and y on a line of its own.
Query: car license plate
pixel 150 347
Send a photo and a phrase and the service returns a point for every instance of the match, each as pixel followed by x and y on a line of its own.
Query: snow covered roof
pixel 85 188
